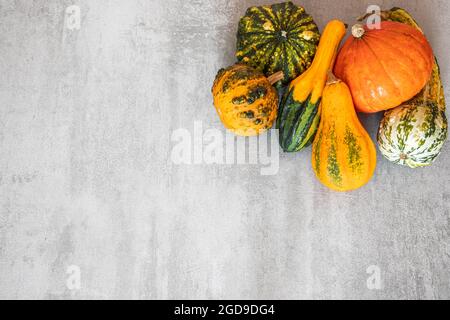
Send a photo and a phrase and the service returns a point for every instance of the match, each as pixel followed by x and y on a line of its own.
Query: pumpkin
pixel 298 116
pixel 343 155
pixel 434 90
pixel 413 134
pixel 245 99
pixel 280 37
pixel 384 67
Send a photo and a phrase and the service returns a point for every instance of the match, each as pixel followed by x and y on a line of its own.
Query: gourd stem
pixel 332 79
pixel 277 76
pixel 358 31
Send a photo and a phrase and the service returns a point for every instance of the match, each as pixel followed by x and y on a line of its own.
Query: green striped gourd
pixel 280 37
pixel 299 114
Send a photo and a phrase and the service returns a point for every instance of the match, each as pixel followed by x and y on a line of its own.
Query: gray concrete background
pixel 86 178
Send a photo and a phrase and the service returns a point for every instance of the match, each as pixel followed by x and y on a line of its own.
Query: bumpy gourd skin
pixel 343 155
pixel 245 100
pixel 280 37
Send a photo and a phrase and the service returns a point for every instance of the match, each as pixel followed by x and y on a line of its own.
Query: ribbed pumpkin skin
pixel 281 37
pixel 413 134
pixel 245 100
pixel 299 111
pixel 434 89
pixel 343 155
pixel 385 67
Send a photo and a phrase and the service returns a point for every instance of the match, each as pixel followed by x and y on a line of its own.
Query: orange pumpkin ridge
pixel 384 67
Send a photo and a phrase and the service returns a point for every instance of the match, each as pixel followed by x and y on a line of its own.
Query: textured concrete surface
pixel 87 184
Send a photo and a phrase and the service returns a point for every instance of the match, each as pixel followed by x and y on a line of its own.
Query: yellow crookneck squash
pixel 299 114
pixel 343 154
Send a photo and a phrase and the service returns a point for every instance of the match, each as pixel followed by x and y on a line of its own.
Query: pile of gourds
pixel 290 74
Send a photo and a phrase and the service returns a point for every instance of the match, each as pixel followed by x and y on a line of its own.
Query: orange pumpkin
pixel 384 67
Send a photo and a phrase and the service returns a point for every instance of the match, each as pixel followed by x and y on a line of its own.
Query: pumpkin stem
pixel 358 31
pixel 277 76
pixel 332 79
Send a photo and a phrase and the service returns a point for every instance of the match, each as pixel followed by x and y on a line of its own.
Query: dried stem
pixel 277 76
pixel 358 31
pixel 332 79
